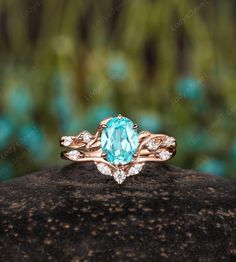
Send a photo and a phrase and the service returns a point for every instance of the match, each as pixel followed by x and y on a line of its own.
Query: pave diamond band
pixel 117 149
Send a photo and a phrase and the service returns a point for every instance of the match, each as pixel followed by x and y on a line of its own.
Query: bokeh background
pixel 67 64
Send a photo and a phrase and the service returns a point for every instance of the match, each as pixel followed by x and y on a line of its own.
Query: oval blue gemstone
pixel 119 140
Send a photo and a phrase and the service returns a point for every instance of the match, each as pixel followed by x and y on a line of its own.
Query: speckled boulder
pixel 76 214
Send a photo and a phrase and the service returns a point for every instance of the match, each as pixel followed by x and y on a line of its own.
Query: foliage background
pixel 168 65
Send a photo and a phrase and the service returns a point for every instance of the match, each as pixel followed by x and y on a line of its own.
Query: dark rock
pixel 76 214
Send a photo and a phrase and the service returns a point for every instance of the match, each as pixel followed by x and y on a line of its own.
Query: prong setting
pixel 135 156
pixel 103 155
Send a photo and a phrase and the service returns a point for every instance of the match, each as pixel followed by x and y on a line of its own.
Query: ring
pixel 118 149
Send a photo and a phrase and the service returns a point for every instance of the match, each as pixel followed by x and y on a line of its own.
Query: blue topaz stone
pixel 119 140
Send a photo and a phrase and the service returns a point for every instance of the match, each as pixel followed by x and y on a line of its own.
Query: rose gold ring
pixel 117 149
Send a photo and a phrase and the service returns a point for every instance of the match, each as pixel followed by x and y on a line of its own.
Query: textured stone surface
pixel 76 214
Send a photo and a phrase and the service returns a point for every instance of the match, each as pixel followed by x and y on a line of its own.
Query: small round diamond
pixel 86 136
pixel 74 154
pixel 67 141
pixel 165 155
pixel 135 169
pixel 119 176
pixel 170 141
pixel 152 145
pixel 103 168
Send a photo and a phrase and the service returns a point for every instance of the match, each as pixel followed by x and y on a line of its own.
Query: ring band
pixel 117 149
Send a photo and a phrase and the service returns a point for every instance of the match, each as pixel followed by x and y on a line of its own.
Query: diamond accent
pixel 104 169
pixel 165 155
pixel 135 169
pixel 86 136
pixel 144 133
pixel 119 176
pixel 67 141
pixel 170 141
pixel 74 154
pixel 152 145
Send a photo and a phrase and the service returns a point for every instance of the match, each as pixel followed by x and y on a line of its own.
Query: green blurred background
pixel 67 64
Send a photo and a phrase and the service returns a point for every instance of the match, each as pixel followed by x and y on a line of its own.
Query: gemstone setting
pixel 86 136
pixel 119 176
pixel 165 155
pixel 135 169
pixel 67 141
pixel 119 140
pixel 152 145
pixel 74 155
pixel 104 169
pixel 170 141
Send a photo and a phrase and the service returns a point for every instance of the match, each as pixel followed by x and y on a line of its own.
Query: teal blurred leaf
pixel 117 69
pixel 32 138
pixel 190 88
pixel 19 102
pixel 6 130
pixel 6 171
pixel 150 122
pixel 213 166
pixel 96 114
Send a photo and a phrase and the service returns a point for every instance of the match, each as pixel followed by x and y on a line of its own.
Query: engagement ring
pixel 117 149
